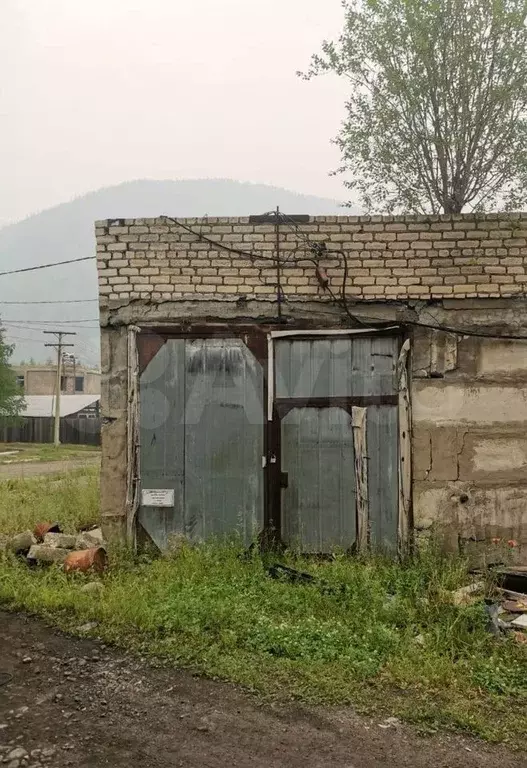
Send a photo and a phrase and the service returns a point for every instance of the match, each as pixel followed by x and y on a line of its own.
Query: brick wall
pixel 460 256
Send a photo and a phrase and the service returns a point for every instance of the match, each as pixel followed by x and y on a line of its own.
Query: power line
pixel 47 266
pixel 46 322
pixel 69 301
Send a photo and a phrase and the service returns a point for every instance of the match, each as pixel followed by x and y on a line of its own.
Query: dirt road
pixel 71 702
pixel 36 468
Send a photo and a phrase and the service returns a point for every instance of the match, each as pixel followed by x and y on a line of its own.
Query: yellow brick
pixel 418 290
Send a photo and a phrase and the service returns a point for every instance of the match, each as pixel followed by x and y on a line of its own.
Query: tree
pixel 437 111
pixel 11 399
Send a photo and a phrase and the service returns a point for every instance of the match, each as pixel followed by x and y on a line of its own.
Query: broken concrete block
pixel 93 588
pixel 39 553
pixel 61 540
pixel 21 543
pixel 89 539
pixel 467 595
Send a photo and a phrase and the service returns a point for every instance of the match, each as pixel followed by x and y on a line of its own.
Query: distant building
pixel 42 406
pixel 75 379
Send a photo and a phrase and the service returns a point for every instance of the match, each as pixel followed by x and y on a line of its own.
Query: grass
pixel 45 452
pixel 390 641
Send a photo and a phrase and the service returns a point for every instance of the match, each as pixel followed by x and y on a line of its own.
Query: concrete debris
pixel 19 753
pixel 39 553
pixel 61 540
pixel 88 627
pixel 390 722
pixel 89 539
pixel 520 622
pixel 468 594
pixel 21 543
pixel 47 545
pixel 93 588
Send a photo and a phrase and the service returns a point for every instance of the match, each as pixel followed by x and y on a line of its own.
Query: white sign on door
pixel 157 497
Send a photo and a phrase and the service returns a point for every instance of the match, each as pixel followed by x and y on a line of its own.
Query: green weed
pixel 381 635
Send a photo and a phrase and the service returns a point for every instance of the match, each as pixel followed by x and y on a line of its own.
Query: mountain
pixel 66 232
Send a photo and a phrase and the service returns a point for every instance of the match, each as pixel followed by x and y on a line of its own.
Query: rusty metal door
pixel 335 402
pixel 201 441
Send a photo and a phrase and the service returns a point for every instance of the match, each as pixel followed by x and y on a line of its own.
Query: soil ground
pixel 74 702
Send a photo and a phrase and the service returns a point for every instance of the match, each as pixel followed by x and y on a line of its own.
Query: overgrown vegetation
pixel 388 640
pixel 71 499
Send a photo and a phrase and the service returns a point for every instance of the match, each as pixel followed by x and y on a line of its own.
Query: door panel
pixel 223 440
pixel 318 505
pixel 202 435
pixel 383 488
pixel 162 387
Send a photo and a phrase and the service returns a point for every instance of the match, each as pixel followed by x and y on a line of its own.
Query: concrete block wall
pixel 468 394
pixel 469 436
pixel 400 258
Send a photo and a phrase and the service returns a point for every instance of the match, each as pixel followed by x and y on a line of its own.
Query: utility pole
pixel 59 345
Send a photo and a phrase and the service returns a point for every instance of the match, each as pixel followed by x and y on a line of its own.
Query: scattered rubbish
pixel 390 722
pixel 88 627
pixel 39 553
pixel 495 625
pixel 86 560
pixel 520 637
pixel 93 588
pixel 45 527
pixel 21 543
pixel 279 571
pixel 284 573
pixel 521 621
pixel 468 594
pixel 5 677
pixel 47 545
pixel 420 639
pixel 515 606
pixel 61 540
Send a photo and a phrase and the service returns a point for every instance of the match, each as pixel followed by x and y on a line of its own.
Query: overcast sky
pixel 95 92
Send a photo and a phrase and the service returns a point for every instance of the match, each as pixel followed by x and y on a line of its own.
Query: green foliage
pixel 11 401
pixel 72 499
pixel 437 109
pixel 381 635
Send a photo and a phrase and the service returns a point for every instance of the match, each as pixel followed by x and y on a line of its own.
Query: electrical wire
pixel 47 266
pixel 48 322
pixel 316 247
pixel 69 301
pixel 381 322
